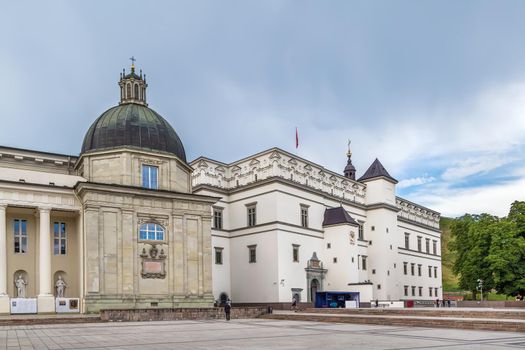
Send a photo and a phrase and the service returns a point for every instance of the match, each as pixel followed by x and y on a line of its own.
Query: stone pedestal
pixel 67 305
pixel 46 304
pixel 23 306
pixel 5 307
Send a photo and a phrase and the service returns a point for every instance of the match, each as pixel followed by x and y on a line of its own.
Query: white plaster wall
pixel 254 282
pixel 293 274
pixel 39 177
pixel 344 271
pixel 221 273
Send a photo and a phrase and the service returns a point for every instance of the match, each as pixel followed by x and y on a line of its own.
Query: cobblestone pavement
pixel 249 334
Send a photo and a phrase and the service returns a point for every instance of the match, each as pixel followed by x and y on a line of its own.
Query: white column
pixel 4 298
pixel 3 252
pixel 46 300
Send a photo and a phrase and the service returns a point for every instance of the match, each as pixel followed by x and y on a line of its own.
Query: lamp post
pixel 480 287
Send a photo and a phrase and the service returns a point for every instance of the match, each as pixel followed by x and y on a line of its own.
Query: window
pixel 405 268
pixel 406 291
pixel 419 243
pixel 136 96
pixel 360 232
pixel 151 232
pixel 427 245
pixel 335 260
pixel 363 261
pixel 434 247
pixel 217 218
pixel 413 291
pixel 59 238
pixel 373 228
pixel 378 286
pixel 436 292
pixel 373 271
pixel 20 232
pixel 412 269
pixel 430 291
pixel 419 269
pixel 149 176
pixel 430 271
pixel 128 90
pixel 252 253
pixel 435 272
pixel 218 255
pixel 304 216
pixel 420 291
pixel 407 241
pixel 295 252
pixel 328 245
pixel 252 219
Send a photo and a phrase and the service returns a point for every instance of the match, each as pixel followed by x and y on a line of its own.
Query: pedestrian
pixel 294 305
pixel 443 302
pixel 377 303
pixel 437 302
pixel 448 302
pixel 228 309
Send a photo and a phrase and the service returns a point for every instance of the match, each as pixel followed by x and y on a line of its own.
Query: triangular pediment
pixel 275 155
pixel 203 164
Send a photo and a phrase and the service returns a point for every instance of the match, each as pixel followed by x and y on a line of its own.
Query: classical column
pixel 45 297
pixel 4 298
pixel 3 252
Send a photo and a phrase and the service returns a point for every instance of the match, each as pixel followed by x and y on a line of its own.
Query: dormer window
pixel 151 232
pixel 150 176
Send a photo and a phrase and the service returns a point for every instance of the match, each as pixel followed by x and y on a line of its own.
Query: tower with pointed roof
pixel 349 171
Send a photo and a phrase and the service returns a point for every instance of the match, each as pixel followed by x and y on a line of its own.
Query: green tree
pixel 472 241
pixel 507 252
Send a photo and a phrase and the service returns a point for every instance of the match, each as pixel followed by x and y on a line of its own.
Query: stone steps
pixel 511 325
pixel 457 313
pixel 18 320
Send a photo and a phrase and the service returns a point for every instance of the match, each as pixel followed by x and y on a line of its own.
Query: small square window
pixel 378 286
pixel 328 245
pixel 335 260
pixel 373 271
pixel 295 252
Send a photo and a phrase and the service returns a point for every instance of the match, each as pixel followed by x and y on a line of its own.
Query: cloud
pixel 416 181
pixel 475 165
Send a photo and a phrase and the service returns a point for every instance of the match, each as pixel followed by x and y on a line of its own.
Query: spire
pixel 132 86
pixel 350 168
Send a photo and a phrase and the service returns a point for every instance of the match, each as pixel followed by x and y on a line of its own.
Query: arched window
pixel 128 90
pixel 151 232
pixel 136 96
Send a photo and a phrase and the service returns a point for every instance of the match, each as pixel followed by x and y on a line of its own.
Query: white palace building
pixel 129 223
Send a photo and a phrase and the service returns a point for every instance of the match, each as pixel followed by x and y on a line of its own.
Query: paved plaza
pixel 248 334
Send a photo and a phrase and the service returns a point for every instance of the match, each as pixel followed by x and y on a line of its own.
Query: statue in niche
pixel 60 287
pixel 21 287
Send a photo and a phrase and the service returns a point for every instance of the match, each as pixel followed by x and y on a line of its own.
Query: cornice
pixel 419 224
pixel 132 190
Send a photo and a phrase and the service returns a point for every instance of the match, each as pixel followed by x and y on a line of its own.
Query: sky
pixel 434 89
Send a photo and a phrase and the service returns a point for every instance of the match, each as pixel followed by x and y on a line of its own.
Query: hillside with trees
pixel 485 247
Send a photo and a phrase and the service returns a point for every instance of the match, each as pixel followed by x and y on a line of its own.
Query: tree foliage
pixel 491 249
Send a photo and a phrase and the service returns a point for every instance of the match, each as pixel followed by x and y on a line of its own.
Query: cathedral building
pixel 130 223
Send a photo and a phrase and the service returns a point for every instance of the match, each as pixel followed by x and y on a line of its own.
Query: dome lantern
pixel 132 86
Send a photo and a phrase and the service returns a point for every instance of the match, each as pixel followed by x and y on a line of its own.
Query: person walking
pixel 228 309
pixel 294 305
pixel 437 302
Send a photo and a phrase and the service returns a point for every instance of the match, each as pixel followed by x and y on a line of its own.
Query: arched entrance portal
pixel 314 285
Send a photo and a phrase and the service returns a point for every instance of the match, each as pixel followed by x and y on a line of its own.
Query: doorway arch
pixel 314 286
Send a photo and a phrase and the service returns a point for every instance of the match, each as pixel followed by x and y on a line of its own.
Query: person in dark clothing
pixel 377 303
pixel 437 302
pixel 448 302
pixel 294 305
pixel 228 309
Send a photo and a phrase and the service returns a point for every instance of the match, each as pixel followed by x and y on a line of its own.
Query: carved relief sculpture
pixel 153 263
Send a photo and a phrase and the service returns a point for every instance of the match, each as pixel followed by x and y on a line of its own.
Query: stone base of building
pixel 94 304
pixel 46 304
pixel 169 314
pixel 5 307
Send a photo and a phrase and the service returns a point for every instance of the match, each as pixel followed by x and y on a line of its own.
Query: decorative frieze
pixel 418 214
pixel 280 164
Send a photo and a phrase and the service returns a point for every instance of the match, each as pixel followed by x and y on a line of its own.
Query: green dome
pixel 136 126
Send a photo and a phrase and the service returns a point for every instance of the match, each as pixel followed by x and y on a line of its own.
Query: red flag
pixel 296 138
